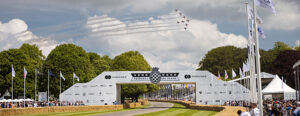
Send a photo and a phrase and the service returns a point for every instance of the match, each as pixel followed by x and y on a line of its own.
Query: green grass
pixel 180 110
pixel 83 113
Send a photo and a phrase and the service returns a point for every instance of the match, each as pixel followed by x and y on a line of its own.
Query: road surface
pixel 154 107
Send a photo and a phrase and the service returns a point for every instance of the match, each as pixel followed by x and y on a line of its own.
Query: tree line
pixel 67 58
pixel 278 60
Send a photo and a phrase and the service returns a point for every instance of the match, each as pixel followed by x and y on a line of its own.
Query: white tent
pixel 278 86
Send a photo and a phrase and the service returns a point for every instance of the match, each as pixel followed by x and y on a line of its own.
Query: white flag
pixel 61 76
pixel 226 75
pixel 25 73
pixel 241 73
pixel 251 16
pixel 75 76
pixel 13 73
pixel 233 74
pixel 245 67
pixel 261 33
pixel 266 4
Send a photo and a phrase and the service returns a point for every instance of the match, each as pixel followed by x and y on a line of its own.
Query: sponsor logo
pixel 155 76
pixel 102 85
pixel 187 76
pixel 107 77
pixel 199 76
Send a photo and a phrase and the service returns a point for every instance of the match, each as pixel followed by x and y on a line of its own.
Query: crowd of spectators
pixel 282 108
pixel 38 104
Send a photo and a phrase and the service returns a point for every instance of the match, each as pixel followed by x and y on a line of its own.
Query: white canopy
pixel 296 64
pixel 277 86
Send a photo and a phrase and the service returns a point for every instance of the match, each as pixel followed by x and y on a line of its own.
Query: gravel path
pixel 154 107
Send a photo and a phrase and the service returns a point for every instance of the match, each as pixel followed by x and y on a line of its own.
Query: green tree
pixel 223 58
pixel 67 58
pixel 132 61
pixel 283 65
pixel 99 64
pixel 280 46
pixel 28 56
pixel 297 48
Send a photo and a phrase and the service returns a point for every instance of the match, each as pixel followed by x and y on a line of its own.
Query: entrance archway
pixel 106 89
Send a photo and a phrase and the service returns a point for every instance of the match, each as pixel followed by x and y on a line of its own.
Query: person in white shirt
pixel 240 113
pixel 254 110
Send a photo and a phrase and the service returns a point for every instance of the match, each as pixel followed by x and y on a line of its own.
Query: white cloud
pixel 287 18
pixel 169 50
pixel 14 33
pixel 297 42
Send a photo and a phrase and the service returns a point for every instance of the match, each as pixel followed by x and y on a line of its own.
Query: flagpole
pixel 24 87
pixel 35 84
pixel 48 88
pixel 12 84
pixel 257 62
pixel 73 90
pixel 249 35
pixel 59 86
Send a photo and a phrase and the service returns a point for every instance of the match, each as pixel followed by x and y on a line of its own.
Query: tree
pixel 69 59
pixel 297 48
pixel 223 58
pixel 283 65
pixel 280 46
pixel 28 56
pixel 99 64
pixel 132 61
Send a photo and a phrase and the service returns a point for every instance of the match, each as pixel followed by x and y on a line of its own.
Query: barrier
pixel 222 110
pixel 42 110
pixel 136 104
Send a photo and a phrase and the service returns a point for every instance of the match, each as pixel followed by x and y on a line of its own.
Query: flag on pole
pixel 219 76
pixel 25 73
pixel 241 73
pixel 61 76
pixel 13 73
pixel 75 76
pixel 233 74
pixel 261 33
pixel 244 67
pixel 226 75
pixel 266 4
pixel 51 74
pixel 251 16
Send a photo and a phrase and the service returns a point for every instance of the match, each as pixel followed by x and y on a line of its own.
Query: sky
pixel 152 27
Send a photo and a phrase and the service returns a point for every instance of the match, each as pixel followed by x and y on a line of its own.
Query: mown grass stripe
pixel 179 110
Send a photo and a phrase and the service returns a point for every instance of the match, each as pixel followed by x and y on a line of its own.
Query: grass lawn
pixel 83 113
pixel 180 110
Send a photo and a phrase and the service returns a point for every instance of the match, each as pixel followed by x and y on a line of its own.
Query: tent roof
pixel 277 86
pixel 296 64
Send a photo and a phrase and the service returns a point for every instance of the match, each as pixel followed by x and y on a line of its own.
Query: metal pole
pixel 59 87
pixel 295 85
pixel 297 74
pixel 257 62
pixel 12 84
pixel 73 91
pixel 48 88
pixel 35 84
pixel 24 88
